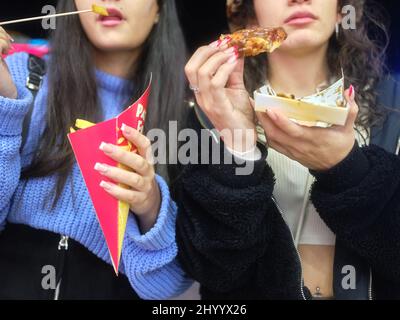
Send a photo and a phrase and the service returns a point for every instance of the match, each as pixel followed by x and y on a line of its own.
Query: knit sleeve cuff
pixel 238 172
pixel 13 111
pixel 347 174
pixel 162 235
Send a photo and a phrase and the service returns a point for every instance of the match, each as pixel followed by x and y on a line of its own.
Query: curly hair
pixel 360 52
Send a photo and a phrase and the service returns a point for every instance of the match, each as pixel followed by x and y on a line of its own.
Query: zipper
pixel 370 290
pixel 57 293
pixel 62 246
pixel 398 148
pixel 297 251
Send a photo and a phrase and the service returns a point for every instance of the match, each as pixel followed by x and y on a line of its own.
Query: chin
pixel 111 48
pixel 303 39
pixel 113 45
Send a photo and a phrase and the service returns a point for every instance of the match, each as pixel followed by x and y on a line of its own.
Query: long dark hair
pixel 361 53
pixel 73 90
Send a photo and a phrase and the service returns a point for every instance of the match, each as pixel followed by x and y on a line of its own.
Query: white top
pixel 291 192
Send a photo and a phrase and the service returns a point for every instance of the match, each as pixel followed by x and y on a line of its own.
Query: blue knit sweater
pixel 149 261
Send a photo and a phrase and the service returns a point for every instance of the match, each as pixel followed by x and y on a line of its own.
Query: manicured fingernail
pixel 101 168
pixel 233 58
pixel 224 42
pixel 125 129
pixel 215 44
pixel 106 185
pixel 106 147
pixel 351 92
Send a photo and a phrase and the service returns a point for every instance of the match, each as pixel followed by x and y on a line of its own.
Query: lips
pixel 300 17
pixel 115 17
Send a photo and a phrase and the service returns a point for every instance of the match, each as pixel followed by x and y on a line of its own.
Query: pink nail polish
pixel 105 185
pixel 224 42
pixel 351 92
pixel 236 50
pixel 105 147
pixel 101 168
pixel 126 129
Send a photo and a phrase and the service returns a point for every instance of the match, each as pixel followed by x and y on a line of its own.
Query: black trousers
pixel 30 259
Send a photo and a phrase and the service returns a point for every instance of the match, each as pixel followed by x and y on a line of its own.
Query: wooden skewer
pixel 43 17
pixel 95 9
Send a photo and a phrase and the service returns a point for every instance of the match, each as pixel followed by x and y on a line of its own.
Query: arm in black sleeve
pixel 359 200
pixel 222 226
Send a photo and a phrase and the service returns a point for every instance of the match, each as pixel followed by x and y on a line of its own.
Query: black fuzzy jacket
pixel 232 237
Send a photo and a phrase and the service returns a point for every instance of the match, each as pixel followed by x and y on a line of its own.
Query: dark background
pixel 201 21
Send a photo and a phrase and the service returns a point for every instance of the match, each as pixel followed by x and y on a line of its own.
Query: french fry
pixel 100 10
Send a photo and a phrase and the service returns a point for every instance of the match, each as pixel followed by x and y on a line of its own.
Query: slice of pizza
pixel 252 42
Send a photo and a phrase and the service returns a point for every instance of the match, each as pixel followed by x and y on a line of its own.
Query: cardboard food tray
pixel 327 106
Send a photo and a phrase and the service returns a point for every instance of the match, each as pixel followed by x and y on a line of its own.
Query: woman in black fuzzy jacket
pixel 231 234
pixel 233 240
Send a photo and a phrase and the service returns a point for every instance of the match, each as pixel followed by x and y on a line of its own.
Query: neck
pixel 298 74
pixel 120 64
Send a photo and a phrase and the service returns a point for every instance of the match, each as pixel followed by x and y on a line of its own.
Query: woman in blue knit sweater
pixel 96 68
